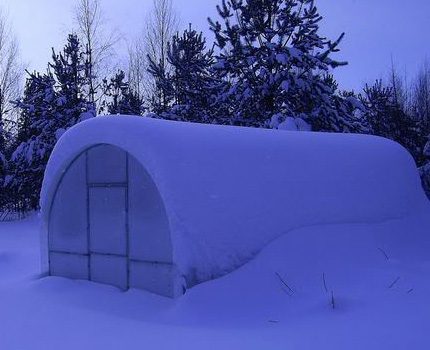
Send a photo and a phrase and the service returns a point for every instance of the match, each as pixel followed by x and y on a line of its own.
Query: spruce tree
pixel 52 103
pixel 33 142
pixel 275 65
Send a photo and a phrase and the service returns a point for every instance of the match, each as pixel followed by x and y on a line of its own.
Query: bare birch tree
pixel 11 72
pixel 98 41
pixel 161 25
pixel 137 69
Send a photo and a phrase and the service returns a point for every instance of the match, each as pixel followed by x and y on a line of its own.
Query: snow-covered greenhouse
pixel 159 205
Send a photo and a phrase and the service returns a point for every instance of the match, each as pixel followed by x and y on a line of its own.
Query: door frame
pixel 125 186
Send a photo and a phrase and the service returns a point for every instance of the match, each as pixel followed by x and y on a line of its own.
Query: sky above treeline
pixel 376 31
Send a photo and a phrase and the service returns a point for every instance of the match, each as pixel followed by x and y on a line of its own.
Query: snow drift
pixel 229 191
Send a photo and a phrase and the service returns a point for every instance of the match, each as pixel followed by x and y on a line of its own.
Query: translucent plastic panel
pixel 107 164
pixel 68 219
pixel 69 265
pixel 108 220
pixel 148 225
pixel 109 270
pixel 156 278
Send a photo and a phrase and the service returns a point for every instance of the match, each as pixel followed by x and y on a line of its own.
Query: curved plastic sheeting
pixel 107 223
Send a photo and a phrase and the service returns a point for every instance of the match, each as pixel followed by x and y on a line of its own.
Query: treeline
pixel 269 67
pixel 400 110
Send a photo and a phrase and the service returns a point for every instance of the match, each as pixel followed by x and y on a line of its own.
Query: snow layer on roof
pixel 229 191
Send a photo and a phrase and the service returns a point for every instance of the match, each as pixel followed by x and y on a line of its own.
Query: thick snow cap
pixel 229 191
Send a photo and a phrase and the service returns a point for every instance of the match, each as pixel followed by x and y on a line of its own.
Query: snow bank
pixel 248 309
pixel 229 191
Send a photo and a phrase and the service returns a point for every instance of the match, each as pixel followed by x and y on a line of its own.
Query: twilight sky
pixel 375 30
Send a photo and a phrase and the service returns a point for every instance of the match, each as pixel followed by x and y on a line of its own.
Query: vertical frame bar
pixel 127 227
pixel 88 216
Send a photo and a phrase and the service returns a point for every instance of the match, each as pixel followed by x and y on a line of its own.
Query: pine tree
pixel 192 80
pixel 163 94
pixel 70 69
pixel 275 65
pixel 121 99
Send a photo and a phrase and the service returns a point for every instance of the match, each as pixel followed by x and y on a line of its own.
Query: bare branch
pixel 98 42
pixel 11 69
pixel 161 25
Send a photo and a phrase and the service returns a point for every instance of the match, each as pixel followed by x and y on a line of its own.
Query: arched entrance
pixel 108 224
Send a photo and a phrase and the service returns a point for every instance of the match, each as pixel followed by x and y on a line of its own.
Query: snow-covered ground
pixel 379 274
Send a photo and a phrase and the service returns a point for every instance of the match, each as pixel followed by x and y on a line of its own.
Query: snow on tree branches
pixel 276 65
pixel 52 103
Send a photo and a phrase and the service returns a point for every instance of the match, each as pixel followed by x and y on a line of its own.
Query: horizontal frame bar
pixel 108 184
pixel 113 255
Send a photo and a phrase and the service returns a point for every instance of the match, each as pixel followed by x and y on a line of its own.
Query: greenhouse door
pixel 108 241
